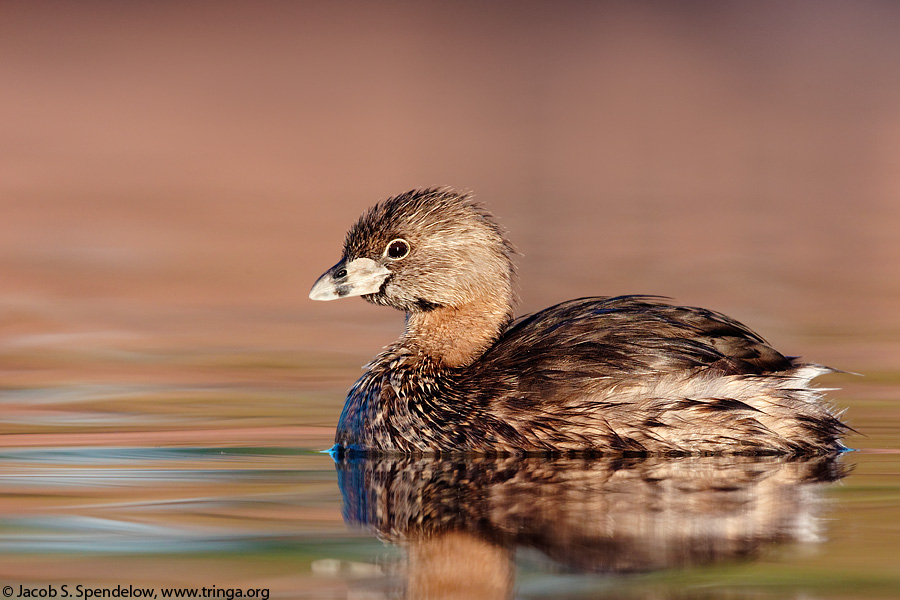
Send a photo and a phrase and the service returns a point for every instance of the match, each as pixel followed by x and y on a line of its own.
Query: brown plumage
pixel 621 374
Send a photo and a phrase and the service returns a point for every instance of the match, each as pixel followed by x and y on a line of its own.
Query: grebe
pixel 594 375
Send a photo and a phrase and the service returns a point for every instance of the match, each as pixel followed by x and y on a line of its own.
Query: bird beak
pixel 357 277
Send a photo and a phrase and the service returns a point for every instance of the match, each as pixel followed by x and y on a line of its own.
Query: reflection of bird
pixel 601 514
pixel 629 373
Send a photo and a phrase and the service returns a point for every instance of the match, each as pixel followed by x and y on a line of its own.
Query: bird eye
pixel 397 249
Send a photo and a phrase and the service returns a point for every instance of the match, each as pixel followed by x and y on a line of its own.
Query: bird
pixel 631 374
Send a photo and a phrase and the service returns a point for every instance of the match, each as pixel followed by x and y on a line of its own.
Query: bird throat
pixel 456 336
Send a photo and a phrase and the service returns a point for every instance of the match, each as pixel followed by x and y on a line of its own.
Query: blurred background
pixel 175 175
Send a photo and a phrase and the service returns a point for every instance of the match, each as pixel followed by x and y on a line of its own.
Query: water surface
pixel 109 486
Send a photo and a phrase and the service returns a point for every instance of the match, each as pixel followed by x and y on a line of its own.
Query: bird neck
pixel 456 336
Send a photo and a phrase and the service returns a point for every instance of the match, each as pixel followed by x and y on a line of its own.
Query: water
pixel 187 487
pixel 174 177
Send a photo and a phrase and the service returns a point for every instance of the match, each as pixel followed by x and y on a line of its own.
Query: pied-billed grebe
pixel 622 374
